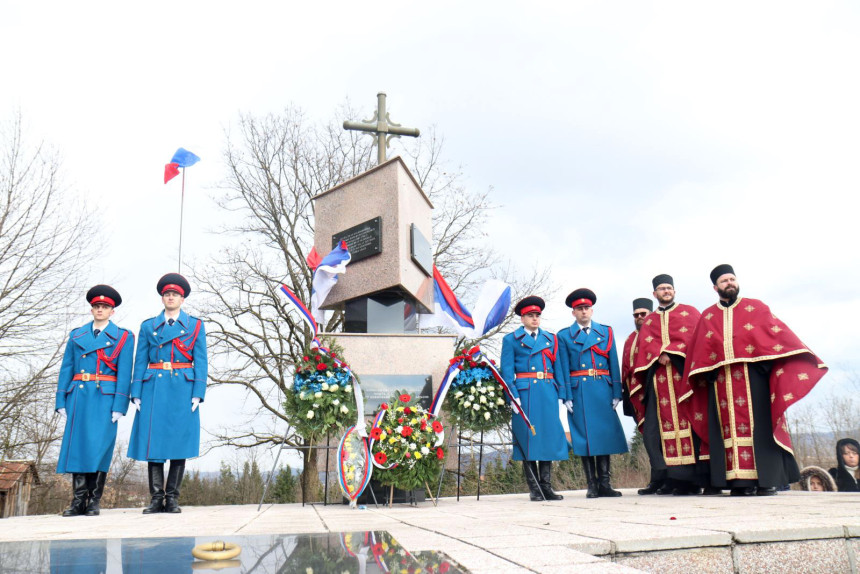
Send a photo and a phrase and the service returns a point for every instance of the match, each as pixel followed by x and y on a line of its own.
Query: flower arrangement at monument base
pixel 322 398
pixel 475 400
pixel 407 444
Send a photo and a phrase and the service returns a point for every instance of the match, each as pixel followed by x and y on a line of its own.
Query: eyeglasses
pixel 638 315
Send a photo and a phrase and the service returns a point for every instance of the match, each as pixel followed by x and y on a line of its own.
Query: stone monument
pixel 385 218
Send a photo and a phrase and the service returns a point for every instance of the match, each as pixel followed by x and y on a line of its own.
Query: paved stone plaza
pixel 794 532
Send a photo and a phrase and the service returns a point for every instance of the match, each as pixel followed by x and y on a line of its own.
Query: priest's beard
pixel 730 293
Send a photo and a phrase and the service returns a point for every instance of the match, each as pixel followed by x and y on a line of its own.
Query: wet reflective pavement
pixel 366 552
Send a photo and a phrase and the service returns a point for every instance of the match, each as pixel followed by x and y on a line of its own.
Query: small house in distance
pixel 17 478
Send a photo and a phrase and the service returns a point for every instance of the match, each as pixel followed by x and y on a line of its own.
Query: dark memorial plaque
pixel 377 389
pixel 363 240
pixel 422 254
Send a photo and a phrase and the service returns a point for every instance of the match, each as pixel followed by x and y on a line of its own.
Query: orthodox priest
pixel 641 307
pixel 746 367
pixel 656 389
pixel 528 363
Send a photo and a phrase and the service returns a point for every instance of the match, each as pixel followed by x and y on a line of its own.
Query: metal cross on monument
pixel 381 128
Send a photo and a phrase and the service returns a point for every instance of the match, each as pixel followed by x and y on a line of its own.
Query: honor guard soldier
pixel 168 385
pixel 93 393
pixel 588 364
pixel 528 366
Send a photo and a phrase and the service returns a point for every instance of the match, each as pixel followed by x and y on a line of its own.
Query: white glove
pixel 195 402
pixel 115 416
pixel 519 402
pixel 136 403
pixel 62 411
pixel 615 403
pixel 569 405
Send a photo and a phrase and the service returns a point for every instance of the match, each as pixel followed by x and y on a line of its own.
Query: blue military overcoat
pixel 165 427
pixel 595 428
pixel 535 356
pixel 89 436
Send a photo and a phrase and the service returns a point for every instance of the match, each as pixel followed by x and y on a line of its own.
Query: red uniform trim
pixel 172 287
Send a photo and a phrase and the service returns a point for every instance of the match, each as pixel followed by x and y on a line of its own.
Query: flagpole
pixel 181 214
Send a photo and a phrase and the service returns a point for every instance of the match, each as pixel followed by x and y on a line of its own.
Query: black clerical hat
pixel 531 304
pixel 721 270
pixel 581 296
pixel 643 303
pixel 662 278
pixel 174 282
pixel 104 294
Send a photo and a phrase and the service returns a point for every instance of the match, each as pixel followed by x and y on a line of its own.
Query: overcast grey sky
pixel 621 139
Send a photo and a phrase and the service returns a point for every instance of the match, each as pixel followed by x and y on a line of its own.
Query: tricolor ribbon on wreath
pixel 477 355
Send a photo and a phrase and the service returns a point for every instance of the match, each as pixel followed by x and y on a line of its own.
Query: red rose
pixel 483 363
pixel 408 455
pixel 375 433
pixel 405 398
pixel 317 357
pixel 401 419
pixel 473 364
pixel 305 359
pixel 384 406
pixel 407 431
pixel 321 367
pixel 462 367
pixel 332 355
pixel 437 427
pixel 423 424
pixel 380 458
pixel 407 411
pixel 440 454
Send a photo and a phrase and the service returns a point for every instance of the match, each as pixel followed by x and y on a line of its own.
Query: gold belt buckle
pixel 167 365
pixel 540 375
pixel 592 373
pixel 85 377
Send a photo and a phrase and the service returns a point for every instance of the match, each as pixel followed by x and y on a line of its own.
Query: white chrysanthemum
pixel 344 409
pixel 487 416
pixel 500 401
pixel 336 402
pixel 458 394
pixel 412 446
pixel 476 406
pixel 425 450
pixel 324 386
pixel 467 404
pixel 483 399
pixel 318 394
pixel 329 374
pixel 310 414
pixel 334 388
pixel 471 397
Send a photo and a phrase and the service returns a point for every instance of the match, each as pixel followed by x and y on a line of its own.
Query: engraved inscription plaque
pixel 422 254
pixel 363 240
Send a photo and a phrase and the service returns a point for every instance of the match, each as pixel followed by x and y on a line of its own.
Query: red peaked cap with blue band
pixel 531 304
pixel 579 297
pixel 104 295
pixel 174 282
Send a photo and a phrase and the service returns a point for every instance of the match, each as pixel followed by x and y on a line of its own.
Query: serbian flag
pixel 325 278
pixel 182 158
pixel 491 308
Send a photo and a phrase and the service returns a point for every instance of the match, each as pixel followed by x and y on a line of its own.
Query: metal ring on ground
pixel 216 551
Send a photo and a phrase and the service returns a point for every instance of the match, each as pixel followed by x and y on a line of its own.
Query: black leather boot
pixel 95 486
pixel 545 481
pixel 530 472
pixel 79 496
pixel 590 476
pixel 604 487
pixel 658 479
pixel 156 487
pixel 174 483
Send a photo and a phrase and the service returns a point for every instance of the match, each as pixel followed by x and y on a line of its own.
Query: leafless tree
pixel 275 165
pixel 44 242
